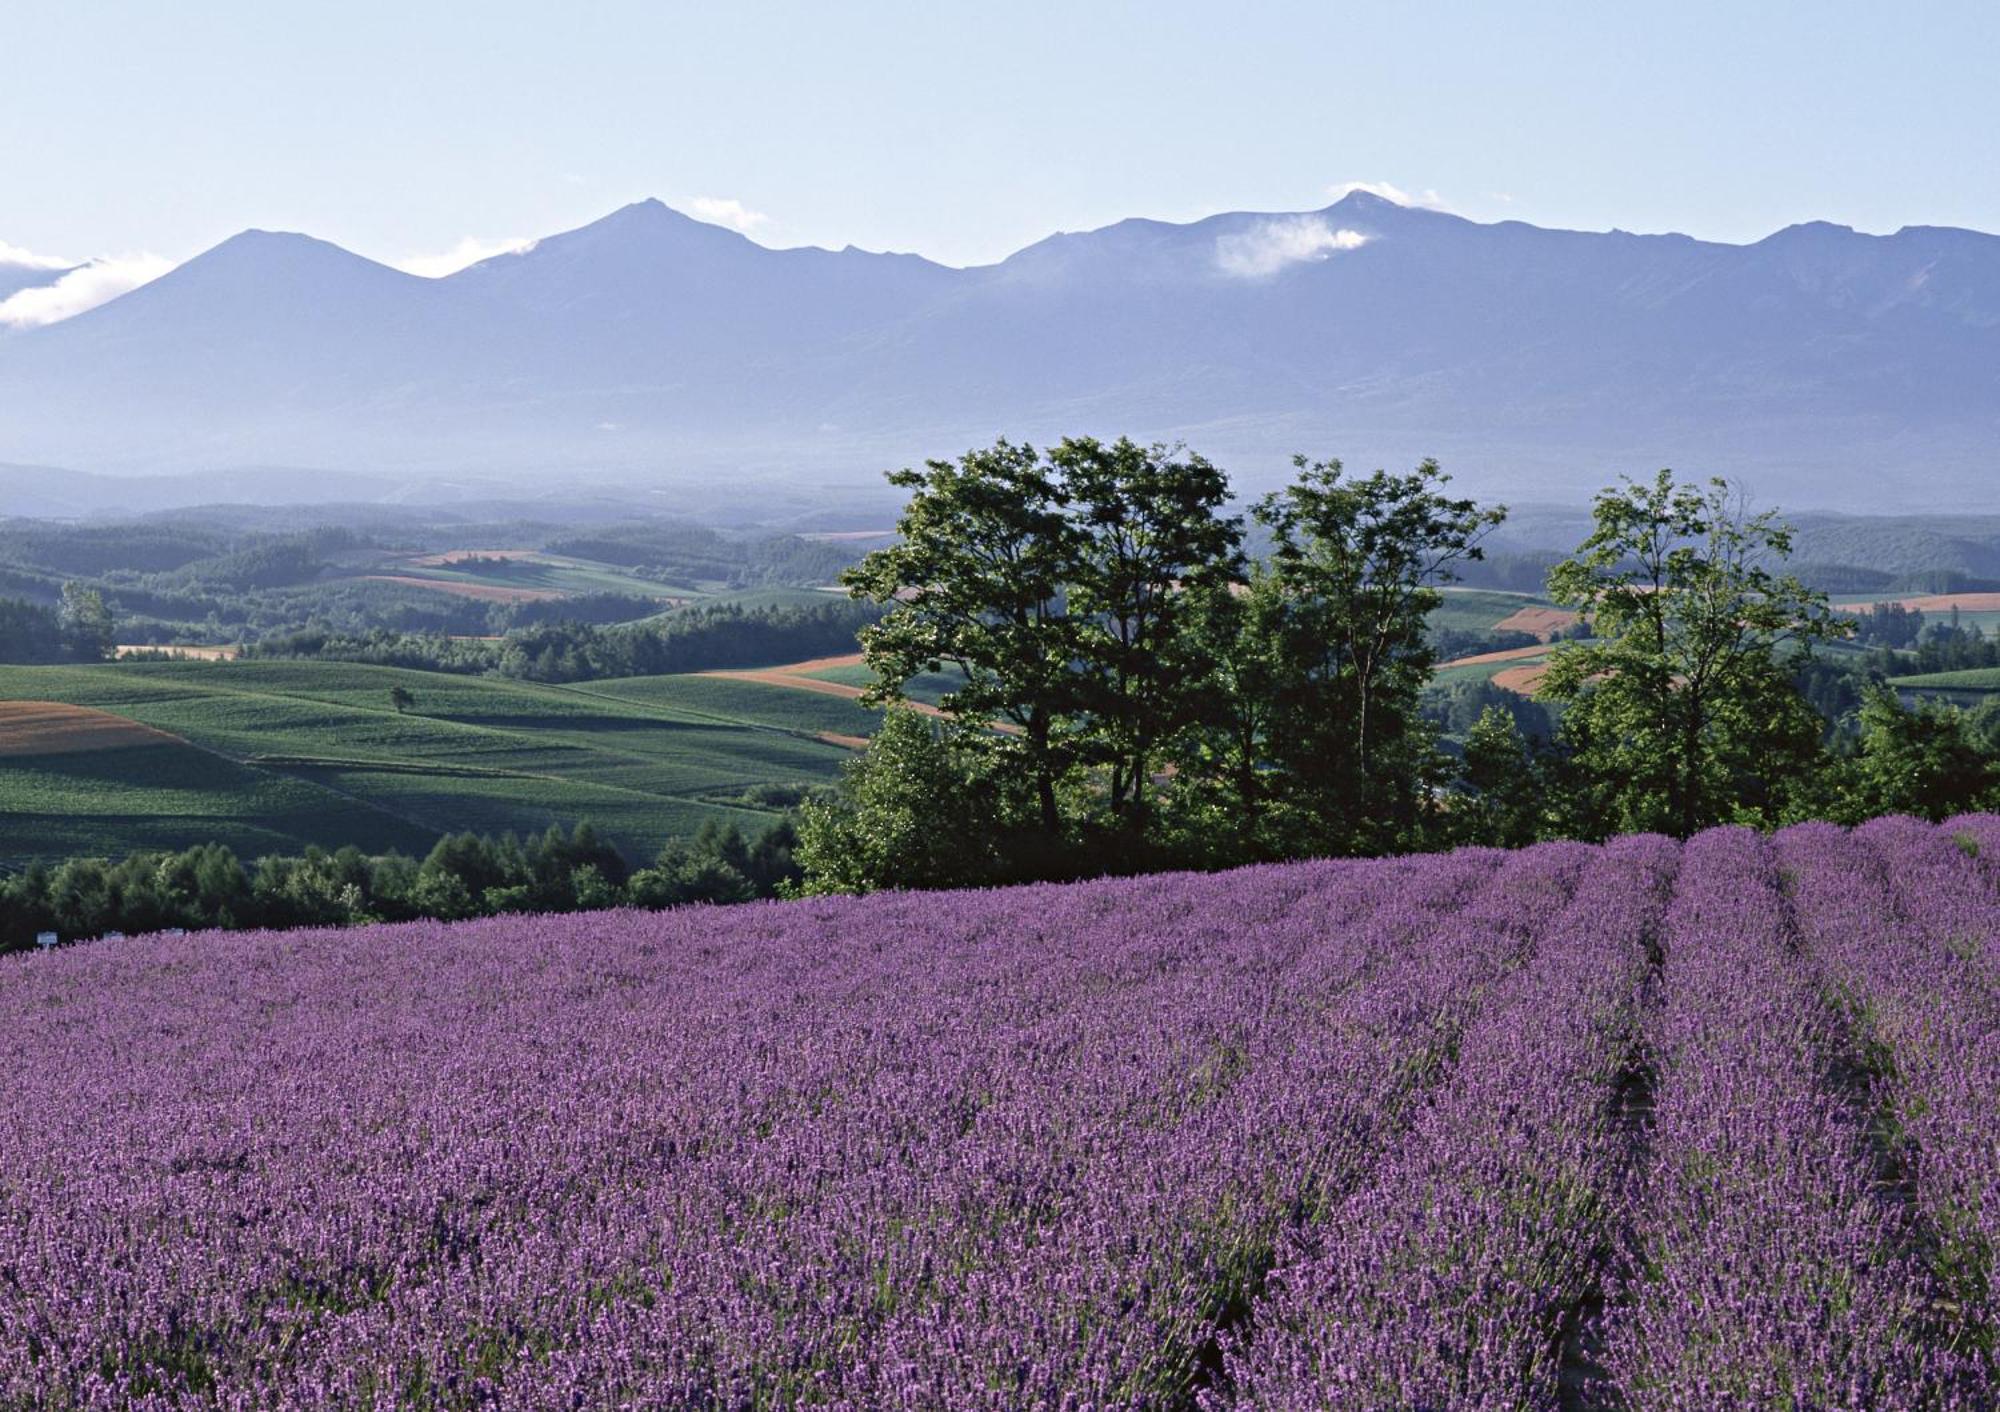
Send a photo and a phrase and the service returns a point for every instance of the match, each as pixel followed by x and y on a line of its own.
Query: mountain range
pixel 1822 366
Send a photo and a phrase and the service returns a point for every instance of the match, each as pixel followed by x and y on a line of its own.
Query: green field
pixel 928 687
pixel 1478 609
pixel 533 569
pixel 758 703
pixel 283 753
pixel 1483 671
pixel 1979 681
pixel 168 796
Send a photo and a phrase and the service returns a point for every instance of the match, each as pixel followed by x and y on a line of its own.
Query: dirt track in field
pixel 52 728
pixel 1544 623
pixel 487 592
pixel 789 677
pixel 820 664
pixel 1480 659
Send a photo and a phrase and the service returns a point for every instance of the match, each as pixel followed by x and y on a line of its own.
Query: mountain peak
pixel 640 227
pixel 652 208
pixel 1823 231
pixel 276 248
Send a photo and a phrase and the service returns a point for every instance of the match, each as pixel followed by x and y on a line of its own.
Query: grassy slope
pixel 472 753
pixel 1483 671
pixel 929 688
pixel 1478 609
pixel 543 571
pixel 168 796
pixel 1980 679
pixel 730 699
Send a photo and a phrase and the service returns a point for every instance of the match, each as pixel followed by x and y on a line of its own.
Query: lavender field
pixel 1641 1126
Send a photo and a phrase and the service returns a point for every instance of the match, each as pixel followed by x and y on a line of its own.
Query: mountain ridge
pixel 651 344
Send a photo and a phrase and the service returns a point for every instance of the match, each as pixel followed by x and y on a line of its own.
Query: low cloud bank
pixel 85 286
pixel 1274 245
pixel 469 251
pixel 727 211
pixel 14 257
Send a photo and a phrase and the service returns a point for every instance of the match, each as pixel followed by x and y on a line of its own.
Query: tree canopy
pixel 1681 711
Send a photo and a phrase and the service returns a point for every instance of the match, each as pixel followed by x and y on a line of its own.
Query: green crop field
pixel 1479 609
pixel 1979 681
pixel 1484 671
pixel 928 687
pixel 171 795
pixel 732 699
pixel 552 573
pixel 284 753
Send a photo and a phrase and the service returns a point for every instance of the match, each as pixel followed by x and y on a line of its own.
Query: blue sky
pixel 961 131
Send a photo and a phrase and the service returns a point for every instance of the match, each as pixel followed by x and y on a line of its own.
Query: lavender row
pixel 1037 1147
pixel 1766 1269
pixel 990 1149
pixel 1978 836
pixel 1895 917
pixel 1449 1279
pixel 1317 1096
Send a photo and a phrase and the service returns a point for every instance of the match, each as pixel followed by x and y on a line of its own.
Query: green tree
pixel 1925 760
pixel 89 634
pixel 1682 712
pixel 1224 781
pixel 1357 564
pixel 684 873
pixel 927 805
pixel 1505 784
pixel 985 553
pixel 1151 540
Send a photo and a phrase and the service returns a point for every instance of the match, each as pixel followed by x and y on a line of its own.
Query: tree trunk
pixel 1690 772
pixel 1045 780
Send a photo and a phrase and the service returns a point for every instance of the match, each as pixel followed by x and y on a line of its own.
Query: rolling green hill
pixel 928 687
pixel 284 753
pixel 757 703
pixel 1977 681
pixel 1480 609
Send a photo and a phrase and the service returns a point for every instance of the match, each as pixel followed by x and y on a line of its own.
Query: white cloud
pixel 1272 245
pixel 21 259
pixel 93 283
pixel 727 211
pixel 469 251
pixel 1389 192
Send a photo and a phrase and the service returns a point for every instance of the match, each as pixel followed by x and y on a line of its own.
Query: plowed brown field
pixel 1521 680
pixel 1544 623
pixel 1936 603
pixel 52 728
